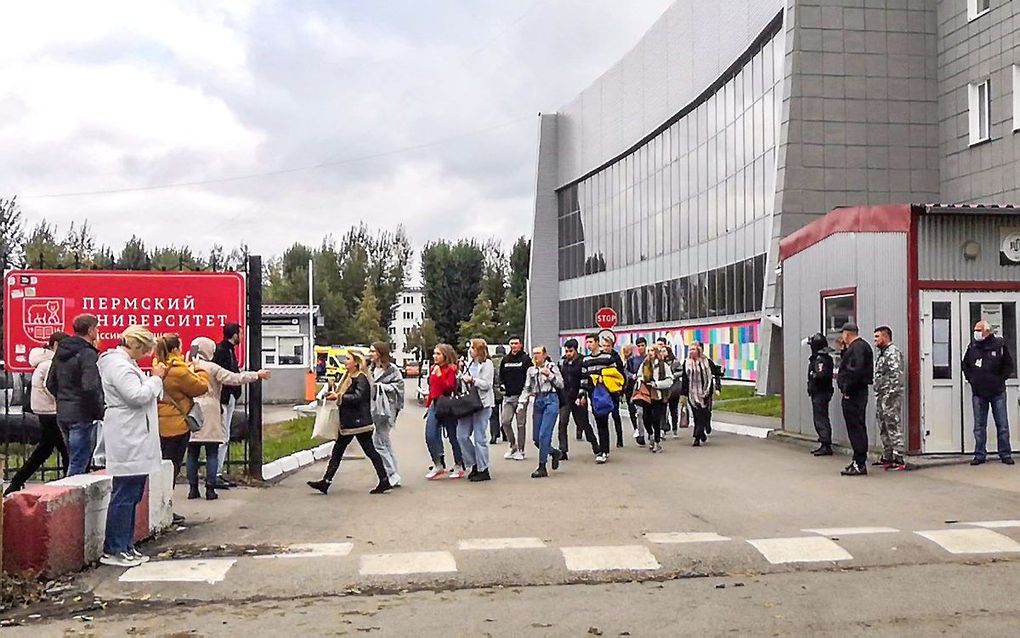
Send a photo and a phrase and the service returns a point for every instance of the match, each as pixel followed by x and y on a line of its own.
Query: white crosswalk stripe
pixel 971 541
pixel 993 524
pixel 609 558
pixel 850 531
pixel 210 571
pixel 801 549
pixel 666 538
pixel 481 544
pixel 314 550
pixel 407 563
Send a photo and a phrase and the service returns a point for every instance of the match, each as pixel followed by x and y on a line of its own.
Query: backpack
pixel 601 401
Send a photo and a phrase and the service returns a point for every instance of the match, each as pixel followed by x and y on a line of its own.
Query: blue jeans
pixel 80 445
pixel 211 463
pixel 434 427
pixel 475 426
pixel 120 517
pixel 1000 416
pixel 546 413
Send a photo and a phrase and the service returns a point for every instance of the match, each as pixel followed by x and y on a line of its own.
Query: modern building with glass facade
pixel 664 188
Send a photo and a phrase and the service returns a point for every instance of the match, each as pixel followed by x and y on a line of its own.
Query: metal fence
pixel 20 430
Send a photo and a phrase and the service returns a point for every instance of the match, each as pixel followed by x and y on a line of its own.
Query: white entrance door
pixel 947 321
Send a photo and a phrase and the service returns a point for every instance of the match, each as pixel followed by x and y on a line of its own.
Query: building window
pixel 977 8
pixel 942 339
pixel 838 308
pixel 1016 97
pixel 980 111
pixel 407 331
pixel 283 351
pixel 408 300
pixel 393 330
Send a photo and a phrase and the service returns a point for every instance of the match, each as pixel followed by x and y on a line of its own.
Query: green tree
pixel 42 250
pixel 520 262
pixel 104 259
pixel 452 277
pixel 174 258
pixel 481 324
pixel 79 245
pixel 423 339
pixel 512 316
pixel 133 256
pixel 494 277
pixel 366 322
pixel 12 236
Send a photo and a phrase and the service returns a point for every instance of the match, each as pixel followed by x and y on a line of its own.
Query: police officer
pixel 856 373
pixel 819 388
pixel 889 386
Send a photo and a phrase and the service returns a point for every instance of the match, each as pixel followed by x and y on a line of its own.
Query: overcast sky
pixel 120 95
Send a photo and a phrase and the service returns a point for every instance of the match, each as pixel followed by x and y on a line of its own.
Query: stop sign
pixel 605 318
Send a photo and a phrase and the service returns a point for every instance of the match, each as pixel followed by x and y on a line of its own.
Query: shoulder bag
pixel 459 405
pixel 193 417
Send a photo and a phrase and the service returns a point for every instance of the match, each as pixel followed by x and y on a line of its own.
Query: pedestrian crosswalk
pixel 818 545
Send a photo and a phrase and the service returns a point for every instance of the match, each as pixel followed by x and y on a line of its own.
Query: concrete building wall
pixel 860 122
pixel 542 325
pixel 971 51
pixel 410 313
pixel 876 265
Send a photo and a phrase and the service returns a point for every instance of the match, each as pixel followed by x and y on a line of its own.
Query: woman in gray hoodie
pixel 387 401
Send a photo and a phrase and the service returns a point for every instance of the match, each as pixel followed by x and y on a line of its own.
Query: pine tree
pixel 481 324
pixel 133 256
pixel 367 328
pixel 42 250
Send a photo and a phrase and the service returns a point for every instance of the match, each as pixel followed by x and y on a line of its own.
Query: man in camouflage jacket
pixel 889 390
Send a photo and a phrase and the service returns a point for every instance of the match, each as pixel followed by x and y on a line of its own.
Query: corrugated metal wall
pixel 876 263
pixel 941 238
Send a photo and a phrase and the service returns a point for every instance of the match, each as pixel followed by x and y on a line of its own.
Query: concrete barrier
pixel 271 470
pixel 96 488
pixel 161 498
pixel 323 451
pixel 288 463
pixel 44 530
pixel 304 457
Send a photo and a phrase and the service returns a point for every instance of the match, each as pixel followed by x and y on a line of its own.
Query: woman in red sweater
pixel 442 382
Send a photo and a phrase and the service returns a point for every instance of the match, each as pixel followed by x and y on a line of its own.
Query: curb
pixel 917 462
pixel 284 466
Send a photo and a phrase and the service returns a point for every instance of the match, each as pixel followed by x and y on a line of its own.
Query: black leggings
pixel 50 439
pixel 702 419
pixel 367 445
pixel 173 449
pixel 654 414
pixel 674 411
pixel 617 421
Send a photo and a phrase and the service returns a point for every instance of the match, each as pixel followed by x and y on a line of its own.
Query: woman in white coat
pixel 214 431
pixel 131 435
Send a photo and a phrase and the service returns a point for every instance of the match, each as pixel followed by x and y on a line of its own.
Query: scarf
pixel 699 379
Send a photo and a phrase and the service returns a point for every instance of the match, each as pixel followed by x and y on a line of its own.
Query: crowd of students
pixel 102 410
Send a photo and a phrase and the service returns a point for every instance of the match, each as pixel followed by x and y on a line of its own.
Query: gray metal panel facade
pixel 543 320
pixel 941 238
pixel 874 263
pixel 972 51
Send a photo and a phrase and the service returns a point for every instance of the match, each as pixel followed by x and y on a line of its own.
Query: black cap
pixel 818 342
pixel 851 327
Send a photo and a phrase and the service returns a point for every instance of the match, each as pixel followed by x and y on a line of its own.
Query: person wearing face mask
pixel 819 388
pixel 889 399
pixel 986 366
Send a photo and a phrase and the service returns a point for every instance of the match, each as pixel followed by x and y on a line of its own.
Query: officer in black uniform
pixel 856 373
pixel 819 388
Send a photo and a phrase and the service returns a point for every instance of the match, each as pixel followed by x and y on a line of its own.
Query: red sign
pixel 605 318
pixel 37 303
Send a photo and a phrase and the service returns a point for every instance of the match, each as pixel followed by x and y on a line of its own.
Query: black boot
pixel 322 485
pixel 193 493
pixel 540 472
pixel 210 493
pixel 383 487
pixel 557 456
pixel 480 476
pixel 473 472
pixel 823 450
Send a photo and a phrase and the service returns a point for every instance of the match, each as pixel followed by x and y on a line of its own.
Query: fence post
pixel 254 350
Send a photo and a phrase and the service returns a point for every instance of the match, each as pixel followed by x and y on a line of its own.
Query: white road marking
pixel 210 571
pixel 409 563
pixel 802 549
pixel 616 557
pixel 314 550
pixel 850 531
pixel 500 543
pixel 971 541
pixel 666 538
pixel 993 524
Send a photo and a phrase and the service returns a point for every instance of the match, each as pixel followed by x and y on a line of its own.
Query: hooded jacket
pixel 74 381
pixel 42 401
pixel 986 365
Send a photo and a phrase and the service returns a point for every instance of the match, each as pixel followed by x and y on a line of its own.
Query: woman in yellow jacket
pixel 181 386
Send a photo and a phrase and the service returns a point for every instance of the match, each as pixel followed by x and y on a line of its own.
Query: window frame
pixel 827 295
pixel 974 111
pixel 1016 98
pixel 974 10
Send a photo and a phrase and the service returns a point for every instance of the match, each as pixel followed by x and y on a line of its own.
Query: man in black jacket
pixel 226 357
pixel 986 365
pixel 819 388
pixel 570 368
pixel 856 372
pixel 74 381
pixel 513 369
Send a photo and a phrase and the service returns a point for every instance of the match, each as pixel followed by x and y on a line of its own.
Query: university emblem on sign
pixel 43 316
pixel 1009 250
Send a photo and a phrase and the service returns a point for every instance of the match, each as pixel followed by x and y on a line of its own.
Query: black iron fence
pixel 20 430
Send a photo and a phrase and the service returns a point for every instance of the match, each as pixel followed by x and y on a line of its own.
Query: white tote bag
pixel 327 422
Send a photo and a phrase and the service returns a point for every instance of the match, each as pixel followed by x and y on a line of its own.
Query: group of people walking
pixel 103 410
pixel 987 364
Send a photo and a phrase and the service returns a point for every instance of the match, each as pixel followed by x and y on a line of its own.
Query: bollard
pixel 310 389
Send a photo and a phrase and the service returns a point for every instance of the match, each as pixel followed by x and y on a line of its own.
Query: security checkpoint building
pixel 929 272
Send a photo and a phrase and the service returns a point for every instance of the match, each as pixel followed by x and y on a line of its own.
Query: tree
pixel 104 259
pixel 452 277
pixel 512 317
pixel 494 277
pixel 12 231
pixel 520 262
pixel 79 245
pixel 133 256
pixel 42 250
pixel 481 324
pixel 174 258
pixel 422 339
pixel 367 328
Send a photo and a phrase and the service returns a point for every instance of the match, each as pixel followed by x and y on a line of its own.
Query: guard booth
pixel 288 338
pixel 929 272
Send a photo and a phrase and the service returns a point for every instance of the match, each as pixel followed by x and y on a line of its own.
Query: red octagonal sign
pixel 605 318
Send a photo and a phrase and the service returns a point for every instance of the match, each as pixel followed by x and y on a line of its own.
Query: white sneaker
pixel 395 480
pixel 510 455
pixel 138 555
pixel 456 473
pixel 518 455
pixel 600 458
pixel 122 559
pixel 435 472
